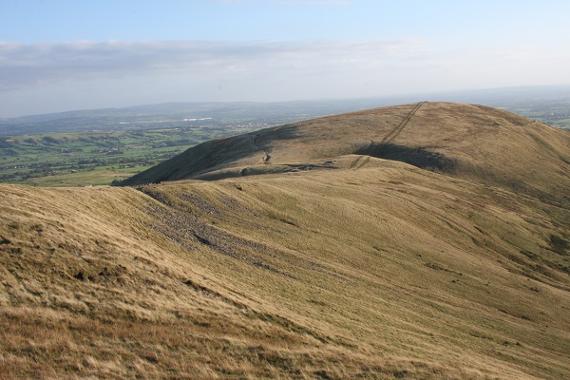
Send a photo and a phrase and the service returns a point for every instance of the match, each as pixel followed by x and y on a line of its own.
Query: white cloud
pixel 51 77
pixel 26 65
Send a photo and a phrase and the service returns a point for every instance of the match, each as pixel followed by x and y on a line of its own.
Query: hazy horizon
pixel 63 55
pixel 483 96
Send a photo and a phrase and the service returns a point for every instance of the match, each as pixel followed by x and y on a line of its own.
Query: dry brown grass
pixel 376 269
pixel 487 145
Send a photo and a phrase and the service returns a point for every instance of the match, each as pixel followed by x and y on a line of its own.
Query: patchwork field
pixel 97 158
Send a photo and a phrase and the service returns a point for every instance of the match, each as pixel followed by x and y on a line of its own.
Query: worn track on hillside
pixel 360 162
pixel 396 131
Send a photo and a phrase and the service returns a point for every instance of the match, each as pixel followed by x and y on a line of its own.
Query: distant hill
pixel 546 103
pixel 176 114
pixel 489 145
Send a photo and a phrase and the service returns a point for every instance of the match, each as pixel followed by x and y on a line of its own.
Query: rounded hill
pixel 477 142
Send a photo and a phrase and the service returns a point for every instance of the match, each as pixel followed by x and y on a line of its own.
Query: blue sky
pixel 57 55
pixel 32 21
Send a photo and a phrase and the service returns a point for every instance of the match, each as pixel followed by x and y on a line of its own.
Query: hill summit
pixel 486 144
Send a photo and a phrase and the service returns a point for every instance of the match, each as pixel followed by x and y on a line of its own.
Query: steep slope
pixel 471 141
pixel 360 268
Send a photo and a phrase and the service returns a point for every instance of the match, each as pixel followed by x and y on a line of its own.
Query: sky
pixel 58 55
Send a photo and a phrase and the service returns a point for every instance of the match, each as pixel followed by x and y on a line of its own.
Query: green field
pixel 96 158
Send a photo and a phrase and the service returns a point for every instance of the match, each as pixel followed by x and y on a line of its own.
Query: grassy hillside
pixel 476 142
pixel 360 267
